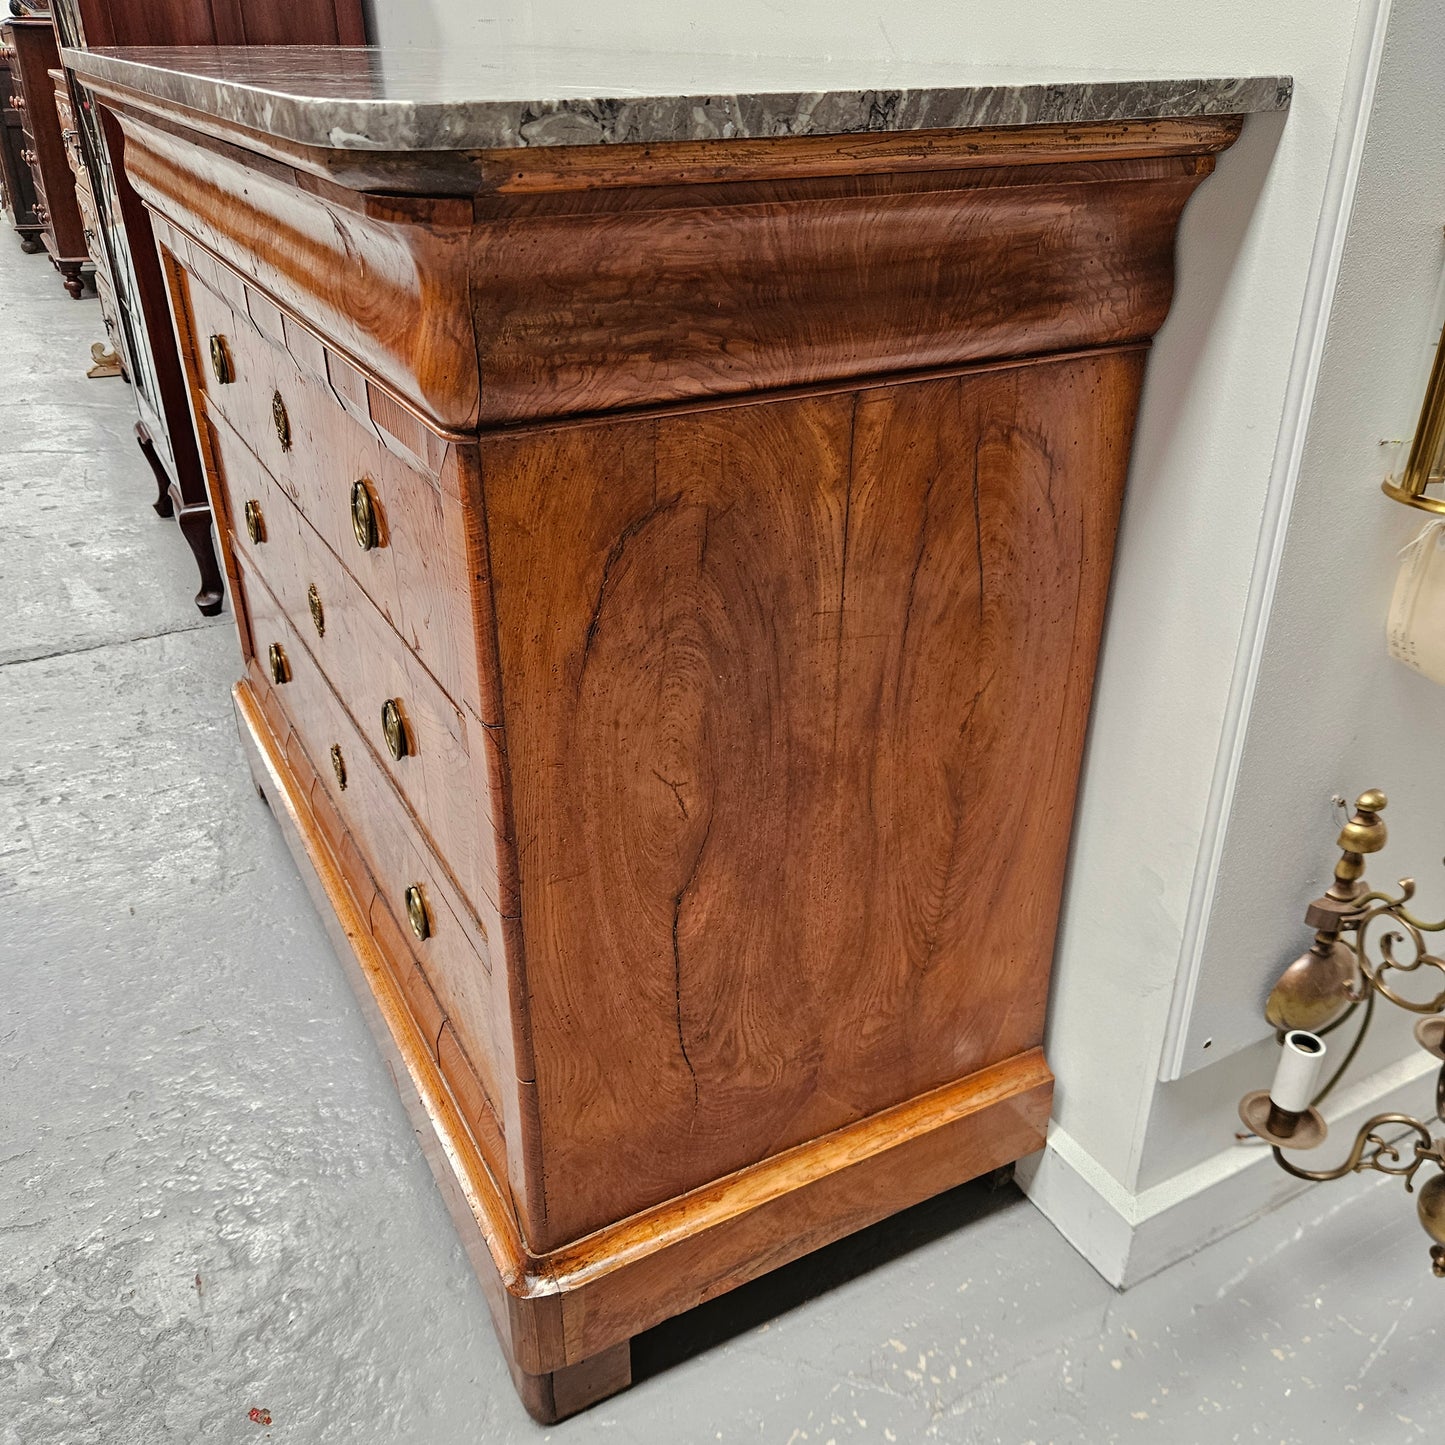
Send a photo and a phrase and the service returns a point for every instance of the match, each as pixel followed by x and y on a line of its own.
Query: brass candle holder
pixel 1321 990
pixel 1426 462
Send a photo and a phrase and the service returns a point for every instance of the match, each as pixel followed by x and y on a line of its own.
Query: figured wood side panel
pixel 795 696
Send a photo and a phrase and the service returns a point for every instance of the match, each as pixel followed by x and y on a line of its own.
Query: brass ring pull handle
pixel 318 613
pixel 338 766
pixel 393 728
pixel 221 361
pixel 417 914
pixel 280 666
pixel 364 516
pixel 283 422
pixel 255 522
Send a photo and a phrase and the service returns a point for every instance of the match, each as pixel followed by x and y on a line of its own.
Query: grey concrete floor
pixel 211 1200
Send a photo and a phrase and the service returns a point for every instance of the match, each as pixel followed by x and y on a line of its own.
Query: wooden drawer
pixel 418 572
pixel 454 957
pixel 444 771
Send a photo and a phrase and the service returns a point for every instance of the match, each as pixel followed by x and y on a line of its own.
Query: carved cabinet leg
pixel 162 503
pixel 71 277
pixel 196 528
pixel 564 1392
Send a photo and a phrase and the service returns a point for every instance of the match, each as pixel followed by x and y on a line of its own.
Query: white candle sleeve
pixel 1300 1062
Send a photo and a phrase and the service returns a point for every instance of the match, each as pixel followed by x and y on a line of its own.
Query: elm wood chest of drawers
pixel 669 573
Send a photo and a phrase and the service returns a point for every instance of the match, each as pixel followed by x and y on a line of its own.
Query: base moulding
pixel 565 1318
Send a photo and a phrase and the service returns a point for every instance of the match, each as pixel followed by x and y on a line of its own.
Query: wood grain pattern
pixel 470 307
pixel 384 277
pixel 35 54
pixel 424 566
pixel 455 958
pixel 535 169
pixel 777 679
pixel 218 22
pixel 558 1311
pixel 446 774
pixel 691 293
pixel 748 514
pixel 15 177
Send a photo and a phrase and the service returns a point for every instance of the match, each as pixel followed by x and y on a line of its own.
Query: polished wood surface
pixel 559 1310
pixel 777 678
pixel 743 520
pixel 703 291
pixel 15 177
pixel 219 22
pixel 33 53
pixel 130 282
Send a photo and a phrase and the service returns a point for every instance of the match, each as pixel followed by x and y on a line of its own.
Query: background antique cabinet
pixel 14 168
pixel 670 538
pixel 30 49
pixel 131 275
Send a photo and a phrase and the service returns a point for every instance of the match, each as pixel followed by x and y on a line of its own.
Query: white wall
pixel 1209 499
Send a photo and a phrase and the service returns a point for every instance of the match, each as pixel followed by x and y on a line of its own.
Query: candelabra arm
pixel 1371 1151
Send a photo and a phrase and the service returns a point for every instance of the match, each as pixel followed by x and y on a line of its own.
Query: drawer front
pixel 454 955
pixel 414 566
pixel 433 751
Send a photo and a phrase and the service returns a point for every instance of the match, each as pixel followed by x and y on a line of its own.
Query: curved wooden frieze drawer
pixel 416 564
pixel 454 955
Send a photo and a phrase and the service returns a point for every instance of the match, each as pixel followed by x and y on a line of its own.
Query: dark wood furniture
pixel 90 220
pixel 132 275
pixel 669 580
pixel 31 50
pixel 15 174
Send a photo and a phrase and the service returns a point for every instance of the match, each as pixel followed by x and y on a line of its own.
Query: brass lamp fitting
pixel 1320 986
pixel 1319 989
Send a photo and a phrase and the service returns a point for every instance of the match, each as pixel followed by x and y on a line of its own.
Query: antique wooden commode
pixel 669 538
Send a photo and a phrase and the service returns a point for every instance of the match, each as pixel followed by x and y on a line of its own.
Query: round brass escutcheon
pixel 283 422
pixel 221 361
pixel 338 766
pixel 318 612
pixel 393 727
pixel 416 912
pixel 363 516
pixel 280 667
pixel 255 523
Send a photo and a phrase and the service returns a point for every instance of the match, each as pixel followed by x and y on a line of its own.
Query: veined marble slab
pixel 505 95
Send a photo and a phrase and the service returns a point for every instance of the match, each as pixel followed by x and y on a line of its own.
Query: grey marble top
pixel 510 95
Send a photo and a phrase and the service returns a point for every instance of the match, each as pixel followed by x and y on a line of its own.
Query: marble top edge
pixel 505 97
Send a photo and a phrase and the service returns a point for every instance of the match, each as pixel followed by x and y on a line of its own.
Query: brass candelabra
pixel 1363 940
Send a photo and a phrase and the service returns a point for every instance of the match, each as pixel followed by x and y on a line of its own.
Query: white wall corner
pixel 1342 181
pixel 1129 1236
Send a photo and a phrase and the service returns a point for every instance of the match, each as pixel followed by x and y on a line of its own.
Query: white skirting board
pixel 1128 1237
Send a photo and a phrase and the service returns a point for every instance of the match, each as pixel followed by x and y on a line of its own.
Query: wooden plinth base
pixel 566 1318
